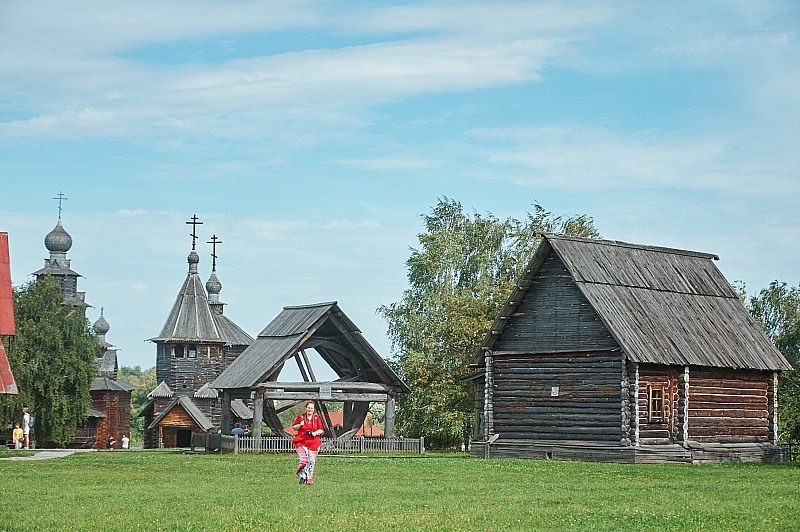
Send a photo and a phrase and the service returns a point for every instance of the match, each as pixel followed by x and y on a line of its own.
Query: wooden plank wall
pixel 554 316
pixel 729 406
pixel 587 407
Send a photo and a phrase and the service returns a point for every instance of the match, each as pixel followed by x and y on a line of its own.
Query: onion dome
pixel 193 259
pixel 101 326
pixel 58 240
pixel 213 286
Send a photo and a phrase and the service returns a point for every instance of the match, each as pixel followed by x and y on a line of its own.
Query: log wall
pixel 729 406
pixel 117 407
pixel 587 407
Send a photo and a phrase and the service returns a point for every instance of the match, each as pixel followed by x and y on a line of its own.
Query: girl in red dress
pixel 308 427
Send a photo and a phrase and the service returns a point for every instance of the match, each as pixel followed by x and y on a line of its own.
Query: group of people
pixel 22 435
pixel 125 442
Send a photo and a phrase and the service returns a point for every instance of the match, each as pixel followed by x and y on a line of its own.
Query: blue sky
pixel 310 137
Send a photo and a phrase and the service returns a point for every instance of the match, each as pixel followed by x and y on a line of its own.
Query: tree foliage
pixel 459 277
pixel 146 381
pixel 777 309
pixel 53 360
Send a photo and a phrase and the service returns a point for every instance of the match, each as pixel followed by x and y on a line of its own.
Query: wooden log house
pixel 364 376
pixel 608 351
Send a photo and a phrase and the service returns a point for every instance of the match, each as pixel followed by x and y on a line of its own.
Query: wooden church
pixel 195 345
pixel 110 411
pixel 608 351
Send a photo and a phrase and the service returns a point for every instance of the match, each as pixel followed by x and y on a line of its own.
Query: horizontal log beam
pixel 334 385
pixel 335 396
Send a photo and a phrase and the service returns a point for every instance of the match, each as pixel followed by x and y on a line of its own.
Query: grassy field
pixel 171 491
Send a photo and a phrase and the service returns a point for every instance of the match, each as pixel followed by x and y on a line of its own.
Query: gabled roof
pixel 162 390
pixel 323 327
pixel 190 408
pixel 661 305
pixel 190 319
pixel 206 392
pixel 112 385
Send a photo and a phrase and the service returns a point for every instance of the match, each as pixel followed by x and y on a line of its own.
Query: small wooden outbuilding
pixel 618 352
pixel 363 376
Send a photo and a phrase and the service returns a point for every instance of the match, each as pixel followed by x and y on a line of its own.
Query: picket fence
pixel 276 444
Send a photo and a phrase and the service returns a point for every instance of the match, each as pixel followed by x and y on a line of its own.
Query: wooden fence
pixel 276 444
pixel 794 451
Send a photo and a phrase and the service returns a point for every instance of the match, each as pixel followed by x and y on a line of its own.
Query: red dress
pixel 307 424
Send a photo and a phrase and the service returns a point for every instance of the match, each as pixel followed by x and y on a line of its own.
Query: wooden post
pixel 347 412
pixel 160 437
pixel 773 409
pixel 236 444
pixel 388 424
pixel 258 416
pixel 225 418
pixel 636 412
pixel 685 427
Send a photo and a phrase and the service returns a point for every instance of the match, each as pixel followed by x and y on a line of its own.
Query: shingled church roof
pixel 661 305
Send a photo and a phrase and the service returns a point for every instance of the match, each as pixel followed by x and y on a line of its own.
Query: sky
pixel 311 136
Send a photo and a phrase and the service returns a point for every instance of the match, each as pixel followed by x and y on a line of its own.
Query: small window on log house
pixel 655 403
pixel 192 351
pixel 178 351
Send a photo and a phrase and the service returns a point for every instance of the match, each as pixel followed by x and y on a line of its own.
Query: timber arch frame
pixel 364 377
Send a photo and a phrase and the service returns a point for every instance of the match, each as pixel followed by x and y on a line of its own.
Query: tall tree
pixel 777 309
pixel 53 356
pixel 459 277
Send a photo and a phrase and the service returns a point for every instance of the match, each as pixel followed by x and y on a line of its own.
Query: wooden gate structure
pixel 364 377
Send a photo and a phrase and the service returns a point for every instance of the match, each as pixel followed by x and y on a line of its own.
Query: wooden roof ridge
pixel 190 408
pixel 620 244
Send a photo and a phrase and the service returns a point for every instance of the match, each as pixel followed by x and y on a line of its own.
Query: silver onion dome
pixel 58 240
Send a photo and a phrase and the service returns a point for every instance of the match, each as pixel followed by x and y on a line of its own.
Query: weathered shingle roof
pixel 190 319
pixel 162 390
pixel 230 332
pixel 662 306
pixel 190 408
pixel 323 327
pixel 241 410
pixel 113 385
pixel 206 392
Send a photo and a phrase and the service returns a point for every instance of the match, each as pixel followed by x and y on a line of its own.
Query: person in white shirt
pixel 26 429
pixel 125 441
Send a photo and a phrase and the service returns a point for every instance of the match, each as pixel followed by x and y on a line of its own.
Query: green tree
pixel 146 381
pixel 459 277
pixel 777 309
pixel 53 359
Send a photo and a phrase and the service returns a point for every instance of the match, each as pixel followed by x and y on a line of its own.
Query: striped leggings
pixel 305 467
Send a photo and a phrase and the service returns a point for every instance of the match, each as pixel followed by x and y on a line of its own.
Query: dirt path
pixel 50 453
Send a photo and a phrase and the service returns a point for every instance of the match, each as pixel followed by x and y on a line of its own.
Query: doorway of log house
pixel 184 438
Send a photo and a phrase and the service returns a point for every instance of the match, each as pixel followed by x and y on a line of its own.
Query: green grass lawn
pixel 171 491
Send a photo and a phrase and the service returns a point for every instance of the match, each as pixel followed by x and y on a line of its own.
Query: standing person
pixel 26 427
pixel 125 441
pixel 111 442
pixel 17 436
pixel 237 430
pixel 308 427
